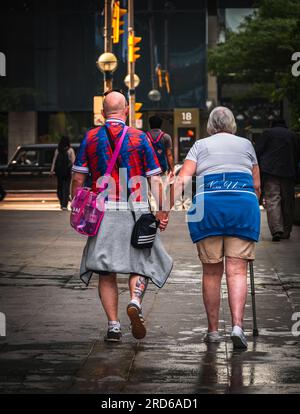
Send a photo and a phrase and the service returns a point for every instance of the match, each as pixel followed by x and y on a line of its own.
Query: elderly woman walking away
pixel 226 166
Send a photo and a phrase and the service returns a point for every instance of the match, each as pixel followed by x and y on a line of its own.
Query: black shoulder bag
pixel 145 227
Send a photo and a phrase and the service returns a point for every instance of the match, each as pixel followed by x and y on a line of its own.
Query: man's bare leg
pixel 108 293
pixel 137 286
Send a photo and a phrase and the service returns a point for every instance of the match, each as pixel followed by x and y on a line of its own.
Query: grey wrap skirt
pixel 111 251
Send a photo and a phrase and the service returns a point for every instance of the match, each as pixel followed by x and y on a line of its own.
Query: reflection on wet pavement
pixel 54 322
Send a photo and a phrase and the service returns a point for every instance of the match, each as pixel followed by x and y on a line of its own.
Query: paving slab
pixel 55 325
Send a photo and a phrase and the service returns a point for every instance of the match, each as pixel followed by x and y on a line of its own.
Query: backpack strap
pixel 157 139
pixel 159 136
pixel 112 144
pixel 116 151
pixel 113 159
pixel 149 135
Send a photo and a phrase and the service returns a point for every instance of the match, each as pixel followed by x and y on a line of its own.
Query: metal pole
pixel 131 66
pixel 166 41
pixel 107 26
pixel 151 39
pixel 107 41
pixel 255 329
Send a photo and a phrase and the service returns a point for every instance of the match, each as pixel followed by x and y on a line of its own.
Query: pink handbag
pixel 86 216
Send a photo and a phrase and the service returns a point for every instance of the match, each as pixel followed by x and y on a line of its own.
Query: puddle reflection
pixel 217 374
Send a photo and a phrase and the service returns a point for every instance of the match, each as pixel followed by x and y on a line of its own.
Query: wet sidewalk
pixel 55 326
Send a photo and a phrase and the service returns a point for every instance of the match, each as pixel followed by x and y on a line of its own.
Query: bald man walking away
pixel 111 252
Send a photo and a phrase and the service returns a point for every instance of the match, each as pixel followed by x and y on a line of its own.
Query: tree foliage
pixel 260 53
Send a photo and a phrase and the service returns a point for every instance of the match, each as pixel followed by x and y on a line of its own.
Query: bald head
pixel 115 105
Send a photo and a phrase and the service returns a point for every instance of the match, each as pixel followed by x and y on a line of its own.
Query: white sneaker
pixel 211 337
pixel 238 338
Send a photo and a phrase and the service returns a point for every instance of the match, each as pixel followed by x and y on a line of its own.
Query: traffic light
pixel 132 49
pixel 163 77
pixel 167 80
pixel 137 108
pixel 117 23
pixel 159 75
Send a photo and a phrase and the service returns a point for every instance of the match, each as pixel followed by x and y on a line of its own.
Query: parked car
pixel 29 168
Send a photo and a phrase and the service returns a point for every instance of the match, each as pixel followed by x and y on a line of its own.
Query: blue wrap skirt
pixel 225 205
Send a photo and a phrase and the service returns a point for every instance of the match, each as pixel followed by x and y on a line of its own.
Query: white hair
pixel 221 119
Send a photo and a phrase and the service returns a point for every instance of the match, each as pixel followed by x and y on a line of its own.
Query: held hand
pixel 171 175
pixel 162 216
pixel 163 224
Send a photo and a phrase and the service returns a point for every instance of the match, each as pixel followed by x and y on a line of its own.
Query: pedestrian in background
pixel 278 156
pixel 226 232
pixel 63 160
pixel 2 193
pixel 162 144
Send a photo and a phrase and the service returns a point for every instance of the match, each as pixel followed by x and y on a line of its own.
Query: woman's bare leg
pixel 236 276
pixel 211 287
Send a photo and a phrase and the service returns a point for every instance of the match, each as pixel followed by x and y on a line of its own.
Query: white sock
pixel 136 302
pixel 114 324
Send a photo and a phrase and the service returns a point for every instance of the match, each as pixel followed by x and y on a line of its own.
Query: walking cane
pixel 255 330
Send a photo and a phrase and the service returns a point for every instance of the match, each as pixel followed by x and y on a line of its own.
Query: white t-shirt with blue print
pixel 221 153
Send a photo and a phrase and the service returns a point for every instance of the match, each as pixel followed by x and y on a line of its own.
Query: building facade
pixel 51 77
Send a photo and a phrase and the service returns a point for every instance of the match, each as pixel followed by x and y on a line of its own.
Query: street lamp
pixel 154 95
pixel 209 104
pixel 107 63
pixel 136 81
